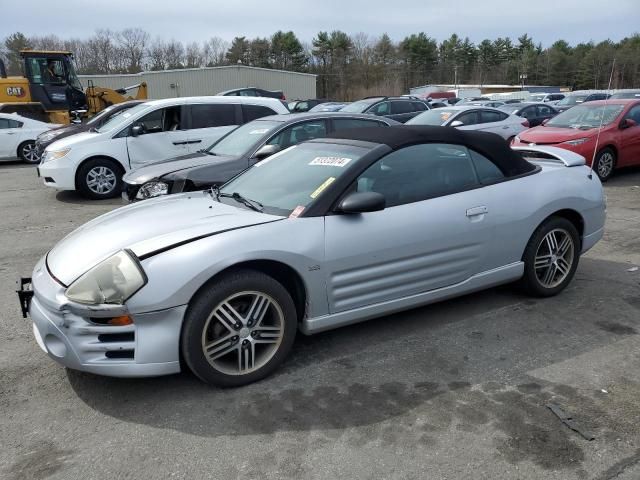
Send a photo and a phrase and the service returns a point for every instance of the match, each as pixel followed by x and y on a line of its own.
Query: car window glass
pixel 4 123
pixel 152 122
pixel 487 116
pixel 468 118
pixel 529 112
pixel 252 112
pixel 301 107
pixel 213 115
pixel 544 110
pixel 487 171
pixel 381 108
pixel 401 106
pixel 419 172
pixel 15 124
pixel 634 114
pixel 300 132
pixel 345 123
pixel 248 93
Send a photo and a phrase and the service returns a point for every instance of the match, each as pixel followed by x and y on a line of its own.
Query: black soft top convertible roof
pixel 490 145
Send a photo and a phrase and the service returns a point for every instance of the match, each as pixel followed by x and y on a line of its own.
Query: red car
pixel 577 130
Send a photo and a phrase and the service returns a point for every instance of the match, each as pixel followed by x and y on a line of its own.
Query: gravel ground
pixel 451 391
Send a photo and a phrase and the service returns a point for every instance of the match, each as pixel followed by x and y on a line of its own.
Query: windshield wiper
pixel 247 202
pixel 208 152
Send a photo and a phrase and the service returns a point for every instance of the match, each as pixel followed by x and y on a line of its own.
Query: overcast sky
pixel 188 20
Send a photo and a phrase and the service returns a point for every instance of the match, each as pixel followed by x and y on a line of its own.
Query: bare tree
pixel 174 54
pixel 157 55
pixel 193 57
pixel 214 51
pixel 133 42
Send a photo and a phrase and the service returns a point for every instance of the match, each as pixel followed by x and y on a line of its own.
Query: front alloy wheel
pixel 238 329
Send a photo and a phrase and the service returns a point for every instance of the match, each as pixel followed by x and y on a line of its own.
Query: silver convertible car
pixel 323 234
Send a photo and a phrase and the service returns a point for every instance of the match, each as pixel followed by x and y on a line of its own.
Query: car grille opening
pixel 123 354
pixel 117 337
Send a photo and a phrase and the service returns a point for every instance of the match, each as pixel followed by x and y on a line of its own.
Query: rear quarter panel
pixel 523 204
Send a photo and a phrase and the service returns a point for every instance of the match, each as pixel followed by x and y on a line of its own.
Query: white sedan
pixel 474 118
pixel 18 137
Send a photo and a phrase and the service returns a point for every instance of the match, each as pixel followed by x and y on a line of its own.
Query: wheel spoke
pixel 229 316
pixel 548 275
pixel 563 266
pixel 217 345
pixel 564 245
pixel 542 261
pixel 258 310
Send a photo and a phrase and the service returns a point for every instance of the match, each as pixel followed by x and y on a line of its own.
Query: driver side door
pixel 435 231
pixel 163 137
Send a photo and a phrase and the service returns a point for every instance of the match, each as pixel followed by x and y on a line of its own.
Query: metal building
pixel 211 80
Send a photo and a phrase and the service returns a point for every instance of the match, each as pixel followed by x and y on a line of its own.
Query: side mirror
pixel 627 123
pixel 137 130
pixel 545 121
pixel 456 123
pixel 266 151
pixel 360 202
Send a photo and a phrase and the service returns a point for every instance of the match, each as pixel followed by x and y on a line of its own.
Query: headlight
pixel 47 136
pixel 152 189
pixel 516 138
pixel 112 281
pixel 577 141
pixel 54 154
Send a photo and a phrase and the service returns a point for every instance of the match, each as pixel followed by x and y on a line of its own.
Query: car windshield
pixel 586 116
pixel 622 95
pixel 358 107
pixel 572 99
pixel 118 121
pixel 243 138
pixel 97 119
pixel 433 117
pixel 292 179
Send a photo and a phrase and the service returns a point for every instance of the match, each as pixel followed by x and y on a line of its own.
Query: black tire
pixel 531 282
pixel 94 165
pixel 28 152
pixel 196 328
pixel 605 163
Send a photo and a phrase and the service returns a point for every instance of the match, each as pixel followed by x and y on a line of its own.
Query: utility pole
pixel 455 76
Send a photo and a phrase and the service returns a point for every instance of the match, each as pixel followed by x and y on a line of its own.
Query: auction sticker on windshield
pixel 330 161
pixel 321 188
pixel 297 211
pixel 258 131
pixel 444 116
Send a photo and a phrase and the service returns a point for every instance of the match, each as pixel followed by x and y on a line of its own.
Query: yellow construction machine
pixel 51 91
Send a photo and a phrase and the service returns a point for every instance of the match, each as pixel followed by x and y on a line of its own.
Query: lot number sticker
pixel 330 161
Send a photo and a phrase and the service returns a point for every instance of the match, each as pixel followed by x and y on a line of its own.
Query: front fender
pixel 177 274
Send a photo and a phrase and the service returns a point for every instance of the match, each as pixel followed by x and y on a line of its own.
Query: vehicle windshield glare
pixel 586 116
pixel 240 140
pixel 510 108
pixel 292 179
pixel 572 99
pixel 118 121
pixel 358 107
pixel 625 95
pixel 538 97
pixel 438 116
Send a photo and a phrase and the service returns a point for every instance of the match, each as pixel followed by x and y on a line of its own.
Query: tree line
pixel 353 66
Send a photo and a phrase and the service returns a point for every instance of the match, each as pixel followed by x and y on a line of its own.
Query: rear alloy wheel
pixel 28 152
pixel 604 164
pixel 551 257
pixel 100 178
pixel 239 330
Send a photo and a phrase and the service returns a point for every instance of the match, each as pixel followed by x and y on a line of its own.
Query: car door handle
pixel 506 127
pixel 475 211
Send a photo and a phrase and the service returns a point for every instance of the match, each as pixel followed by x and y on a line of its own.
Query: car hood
pixel 163 167
pixel 70 141
pixel 146 228
pixel 65 131
pixel 547 135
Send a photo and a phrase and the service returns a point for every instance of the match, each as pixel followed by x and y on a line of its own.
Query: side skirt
pixel 481 281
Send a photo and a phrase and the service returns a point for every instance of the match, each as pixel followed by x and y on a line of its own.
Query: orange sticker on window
pixel 297 211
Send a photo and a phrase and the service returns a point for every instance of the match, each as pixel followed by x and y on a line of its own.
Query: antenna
pixel 595 150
